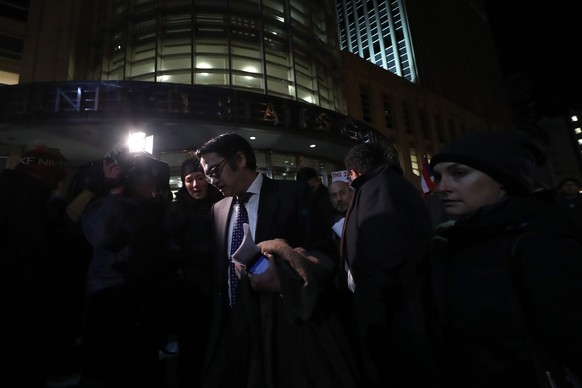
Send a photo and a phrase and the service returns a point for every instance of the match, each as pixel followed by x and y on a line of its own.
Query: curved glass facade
pixel 285 48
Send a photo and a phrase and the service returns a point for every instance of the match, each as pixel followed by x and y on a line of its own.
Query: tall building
pixel 445 47
pixel 89 72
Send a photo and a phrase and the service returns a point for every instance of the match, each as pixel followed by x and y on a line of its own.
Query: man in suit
pixel 277 329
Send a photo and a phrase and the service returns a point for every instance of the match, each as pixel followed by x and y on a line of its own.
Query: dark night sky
pixel 540 43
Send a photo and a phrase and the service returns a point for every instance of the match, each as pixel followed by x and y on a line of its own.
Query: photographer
pixel 120 338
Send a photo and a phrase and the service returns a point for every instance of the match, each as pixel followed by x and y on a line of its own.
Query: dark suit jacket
pixel 264 341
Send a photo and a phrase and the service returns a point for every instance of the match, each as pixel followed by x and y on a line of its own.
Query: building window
pixel 424 124
pixel 440 130
pixel 387 106
pixel 366 105
pixel 414 161
pixel 407 115
pixel 15 10
pixel 11 48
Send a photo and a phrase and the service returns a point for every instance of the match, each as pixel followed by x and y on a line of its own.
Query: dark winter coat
pixel 31 275
pixel 187 226
pixel 386 245
pixel 492 291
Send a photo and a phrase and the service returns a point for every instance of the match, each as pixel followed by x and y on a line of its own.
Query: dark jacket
pixel 492 291
pixel 187 226
pixel 272 340
pixel 126 236
pixel 31 276
pixel 386 245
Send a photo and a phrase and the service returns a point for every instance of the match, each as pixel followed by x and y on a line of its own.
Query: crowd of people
pixel 240 280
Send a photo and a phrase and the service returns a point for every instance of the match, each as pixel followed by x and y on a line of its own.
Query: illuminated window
pixel 414 162
pixel 7 78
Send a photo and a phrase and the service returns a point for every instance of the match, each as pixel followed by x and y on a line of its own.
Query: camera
pixel 139 168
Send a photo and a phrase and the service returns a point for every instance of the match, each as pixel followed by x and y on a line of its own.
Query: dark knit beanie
pixel 509 157
pixel 189 166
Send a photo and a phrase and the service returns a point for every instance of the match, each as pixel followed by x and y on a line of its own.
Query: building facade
pixel 306 80
pixel 89 72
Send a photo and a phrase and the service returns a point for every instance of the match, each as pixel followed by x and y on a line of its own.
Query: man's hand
pixel 269 280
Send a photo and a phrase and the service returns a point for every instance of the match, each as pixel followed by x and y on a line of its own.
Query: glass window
pixel 175 62
pixel 205 78
pixel 282 87
pixel 250 52
pixel 178 78
pixel 205 47
pixel 276 71
pixel 247 81
pixel 141 68
pixel 211 62
pixel 247 65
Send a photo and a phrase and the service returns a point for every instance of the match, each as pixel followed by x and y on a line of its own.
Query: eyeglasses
pixel 216 171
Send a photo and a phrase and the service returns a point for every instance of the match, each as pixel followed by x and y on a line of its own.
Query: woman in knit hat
pixel 187 225
pixel 508 267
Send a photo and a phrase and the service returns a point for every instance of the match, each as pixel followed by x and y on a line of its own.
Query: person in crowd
pixel 319 190
pixel 385 249
pixel 271 327
pixel 570 196
pixel 190 259
pixel 508 267
pixel 340 195
pixel 121 334
pixel 30 241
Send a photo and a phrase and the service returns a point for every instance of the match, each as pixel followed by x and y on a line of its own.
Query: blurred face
pixel 146 190
pixel 314 183
pixel 464 189
pixel 196 185
pixel 340 195
pixel 229 181
pixel 570 188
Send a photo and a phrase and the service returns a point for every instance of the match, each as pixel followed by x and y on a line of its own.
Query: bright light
pixel 574 118
pixel 578 130
pixel 250 69
pixel 279 18
pixel 579 141
pixel 204 65
pixel 312 146
pixel 308 99
pixel 140 142
pixel 252 137
pixel 163 78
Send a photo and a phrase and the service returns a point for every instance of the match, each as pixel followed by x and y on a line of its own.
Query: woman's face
pixel 196 185
pixel 465 189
